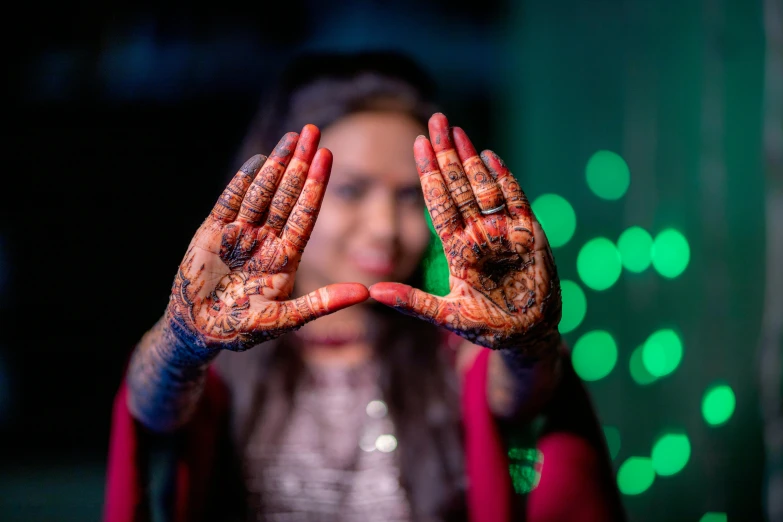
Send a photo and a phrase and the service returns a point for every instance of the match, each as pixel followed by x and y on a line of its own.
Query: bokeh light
pixel 635 246
pixel 435 264
pixel 662 352
pixel 386 443
pixel 670 253
pixel 557 218
pixel 636 367
pixel 525 468
pixel 670 453
pixel 714 517
pixel 574 306
pixel 594 355
pixel 718 404
pixel 635 475
pixel 598 263
pixel 376 409
pixel 607 175
pixel 612 436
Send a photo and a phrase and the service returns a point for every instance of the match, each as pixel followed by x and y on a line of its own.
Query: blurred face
pixel 371 226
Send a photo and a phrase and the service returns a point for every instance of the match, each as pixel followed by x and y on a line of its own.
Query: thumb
pixel 409 300
pixel 324 301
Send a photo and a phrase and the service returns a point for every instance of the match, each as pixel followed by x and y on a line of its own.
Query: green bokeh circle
pixel 607 175
pixel 594 355
pixel 557 218
pixel 598 263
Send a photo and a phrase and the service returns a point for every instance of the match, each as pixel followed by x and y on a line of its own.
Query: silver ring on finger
pixel 493 210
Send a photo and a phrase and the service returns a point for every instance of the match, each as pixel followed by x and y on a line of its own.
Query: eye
pixel 410 195
pixel 350 191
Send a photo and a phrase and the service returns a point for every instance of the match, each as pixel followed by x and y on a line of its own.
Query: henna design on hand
pixel 231 289
pixel 505 291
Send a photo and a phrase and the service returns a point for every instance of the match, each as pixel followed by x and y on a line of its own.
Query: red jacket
pixel 576 482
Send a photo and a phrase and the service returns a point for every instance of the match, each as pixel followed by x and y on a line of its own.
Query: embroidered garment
pixel 335 458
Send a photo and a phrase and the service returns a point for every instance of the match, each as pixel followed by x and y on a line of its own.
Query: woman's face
pixel 371 226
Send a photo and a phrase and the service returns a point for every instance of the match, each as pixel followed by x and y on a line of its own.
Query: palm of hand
pixel 504 289
pixel 233 273
pixel 502 284
pixel 232 286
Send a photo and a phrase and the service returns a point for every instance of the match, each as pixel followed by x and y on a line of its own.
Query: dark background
pixel 124 126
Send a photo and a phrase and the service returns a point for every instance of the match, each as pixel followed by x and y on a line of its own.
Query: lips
pixel 374 263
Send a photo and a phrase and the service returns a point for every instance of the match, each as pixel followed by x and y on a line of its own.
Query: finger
pixel 486 191
pixel 410 301
pixel 325 300
pixel 444 214
pixel 451 168
pixel 302 220
pixel 229 202
pixel 516 201
pixel 256 201
pixel 293 179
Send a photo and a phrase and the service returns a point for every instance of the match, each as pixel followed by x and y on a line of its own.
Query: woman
pixel 365 413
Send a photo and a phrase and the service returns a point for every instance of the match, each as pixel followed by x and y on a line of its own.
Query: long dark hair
pixel 417 382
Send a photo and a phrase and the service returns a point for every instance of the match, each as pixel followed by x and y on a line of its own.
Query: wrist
pixel 534 346
pixel 178 346
pixel 541 359
pixel 537 368
pixel 165 378
pixel 525 376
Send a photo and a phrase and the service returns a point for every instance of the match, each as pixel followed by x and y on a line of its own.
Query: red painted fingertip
pixel 494 163
pixel 464 146
pixel 343 295
pixel 311 127
pixel 439 132
pixel 311 131
pixel 308 142
pixel 321 167
pixel 353 292
pixel 426 161
pixel 285 147
pixel 389 293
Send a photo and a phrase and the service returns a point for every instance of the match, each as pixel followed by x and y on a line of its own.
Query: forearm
pixel 522 380
pixel 165 378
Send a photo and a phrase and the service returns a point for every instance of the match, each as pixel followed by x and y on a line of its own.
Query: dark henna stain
pixel 229 240
pixel 497 268
pixel 284 147
pixel 244 243
pixel 253 165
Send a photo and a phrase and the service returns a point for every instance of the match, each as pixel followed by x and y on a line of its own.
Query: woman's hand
pixel 505 291
pixel 231 290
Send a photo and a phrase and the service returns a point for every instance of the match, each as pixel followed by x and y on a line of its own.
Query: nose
pixel 380 216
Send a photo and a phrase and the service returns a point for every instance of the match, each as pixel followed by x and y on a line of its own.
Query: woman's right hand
pixel 232 289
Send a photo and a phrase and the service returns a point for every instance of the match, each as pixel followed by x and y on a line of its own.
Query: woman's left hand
pixel 504 289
